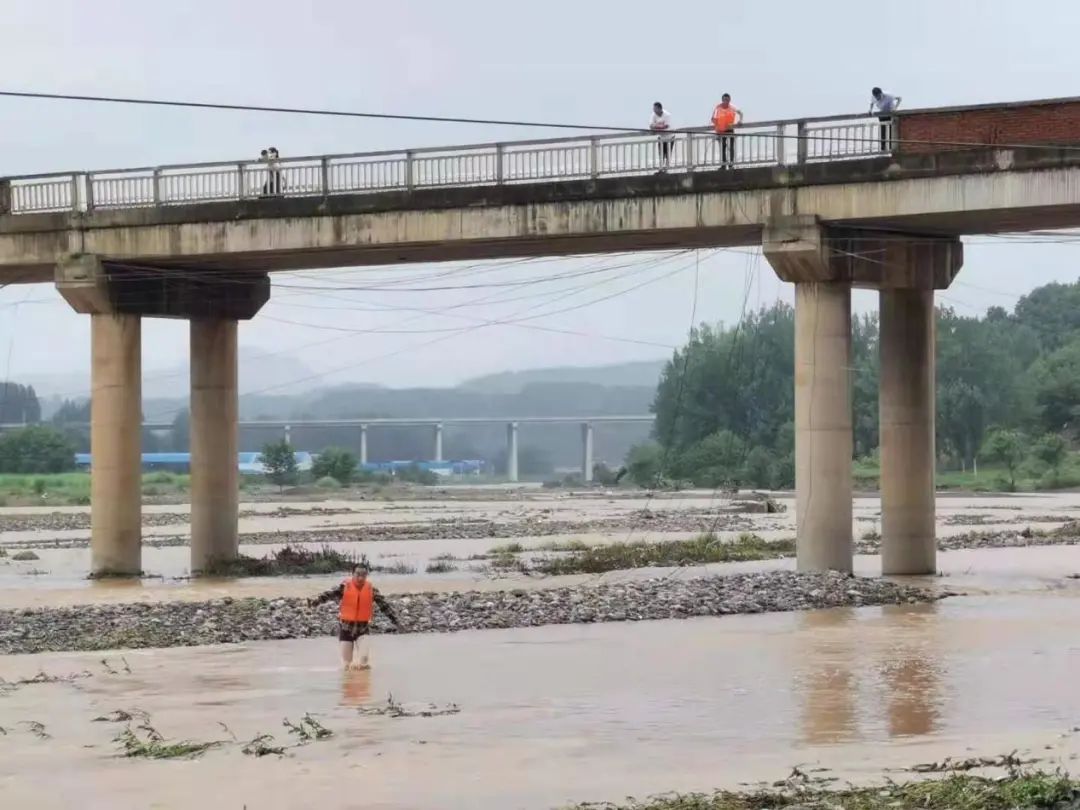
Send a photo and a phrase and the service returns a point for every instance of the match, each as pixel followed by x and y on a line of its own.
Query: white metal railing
pixel 628 154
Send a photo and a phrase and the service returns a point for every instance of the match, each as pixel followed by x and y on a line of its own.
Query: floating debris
pixel 395 709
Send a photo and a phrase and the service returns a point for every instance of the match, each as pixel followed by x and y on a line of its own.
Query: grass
pixel 956 792
pixel 705 548
pixel 73 488
pixel 990 478
pixel 288 561
pixel 441 567
pixel 508 548
pixel 151 745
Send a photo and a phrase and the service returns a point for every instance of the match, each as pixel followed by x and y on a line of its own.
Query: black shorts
pixel 351 631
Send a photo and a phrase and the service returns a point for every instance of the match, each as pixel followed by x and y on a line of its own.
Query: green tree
pixel 36 449
pixel 1055 382
pixel 1051 451
pixel 337 463
pixel 1007 447
pixel 279 461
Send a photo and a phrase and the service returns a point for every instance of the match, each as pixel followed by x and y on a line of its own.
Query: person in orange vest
pixel 725 118
pixel 358 600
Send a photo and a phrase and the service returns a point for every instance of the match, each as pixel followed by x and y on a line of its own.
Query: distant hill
pixel 644 373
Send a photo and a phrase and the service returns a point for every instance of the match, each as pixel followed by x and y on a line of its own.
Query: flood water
pixel 553 715
pixel 558 714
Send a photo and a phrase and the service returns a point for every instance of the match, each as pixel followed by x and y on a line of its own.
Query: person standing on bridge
pixel 884 104
pixel 725 118
pixel 358 599
pixel 661 123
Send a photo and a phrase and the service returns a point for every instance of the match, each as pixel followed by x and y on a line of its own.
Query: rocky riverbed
pixel 224 621
pixel 455 529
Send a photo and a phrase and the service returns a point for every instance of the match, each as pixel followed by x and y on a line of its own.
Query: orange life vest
pixel 357 602
pixel 724 118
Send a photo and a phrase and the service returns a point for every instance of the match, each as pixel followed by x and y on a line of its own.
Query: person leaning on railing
pixel 273 186
pixel 661 123
pixel 885 105
pixel 725 118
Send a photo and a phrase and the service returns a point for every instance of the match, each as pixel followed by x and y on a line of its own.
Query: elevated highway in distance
pixel 835 202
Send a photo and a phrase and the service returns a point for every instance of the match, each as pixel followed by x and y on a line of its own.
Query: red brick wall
pixel 1057 122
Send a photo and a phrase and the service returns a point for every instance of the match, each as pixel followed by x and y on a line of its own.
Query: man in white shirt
pixel 884 105
pixel 661 123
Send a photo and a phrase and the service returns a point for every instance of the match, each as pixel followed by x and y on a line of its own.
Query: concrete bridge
pixel 513 423
pixel 835 202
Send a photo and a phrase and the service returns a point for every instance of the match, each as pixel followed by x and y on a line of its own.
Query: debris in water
pixel 121 716
pixel 308 729
pixel 260 746
pixel 37 729
pixel 395 709
pixel 1009 761
pixel 155 747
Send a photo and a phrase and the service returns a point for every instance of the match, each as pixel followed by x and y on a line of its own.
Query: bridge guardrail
pixel 630 154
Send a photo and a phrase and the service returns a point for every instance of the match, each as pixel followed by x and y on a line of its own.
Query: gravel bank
pixel 104 627
pixel 457 529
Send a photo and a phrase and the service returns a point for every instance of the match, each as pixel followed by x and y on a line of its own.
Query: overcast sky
pixel 599 62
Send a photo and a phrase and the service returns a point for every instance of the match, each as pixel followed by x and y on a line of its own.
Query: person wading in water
pixel 358 600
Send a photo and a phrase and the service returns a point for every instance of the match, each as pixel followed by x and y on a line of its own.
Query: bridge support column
pixel 117 297
pixel 823 438
pixel 512 452
pixel 911 269
pixel 906 270
pixel 796 249
pixel 438 442
pixel 587 452
pixel 214 442
pixel 115 444
pixel 363 445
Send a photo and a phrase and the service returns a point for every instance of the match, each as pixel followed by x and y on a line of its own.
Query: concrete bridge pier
pixel 911 270
pixel 512 452
pixel 363 444
pixel 796 249
pixel 906 269
pixel 215 406
pixel 117 297
pixel 438 431
pixel 115 437
pixel 587 452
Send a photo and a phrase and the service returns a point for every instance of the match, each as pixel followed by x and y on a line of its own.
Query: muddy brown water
pixel 555 714
pixel 552 715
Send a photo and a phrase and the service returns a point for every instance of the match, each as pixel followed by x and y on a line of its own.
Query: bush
pixel 337 463
pixel 604 476
pixel 414 474
pixel 757 469
pixel 36 449
pixel 715 461
pixel 328 482
pixel 279 460
pixel 643 464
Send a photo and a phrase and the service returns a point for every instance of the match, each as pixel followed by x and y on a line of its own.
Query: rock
pixel 25 556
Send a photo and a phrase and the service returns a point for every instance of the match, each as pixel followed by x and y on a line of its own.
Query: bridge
pixel 835 202
pixel 512 423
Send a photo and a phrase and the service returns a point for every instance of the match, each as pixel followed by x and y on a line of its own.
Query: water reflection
pixel 911 670
pixel 825 680
pixel 355 687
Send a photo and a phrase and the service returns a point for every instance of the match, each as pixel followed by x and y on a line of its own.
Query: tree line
pixel 1008 391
